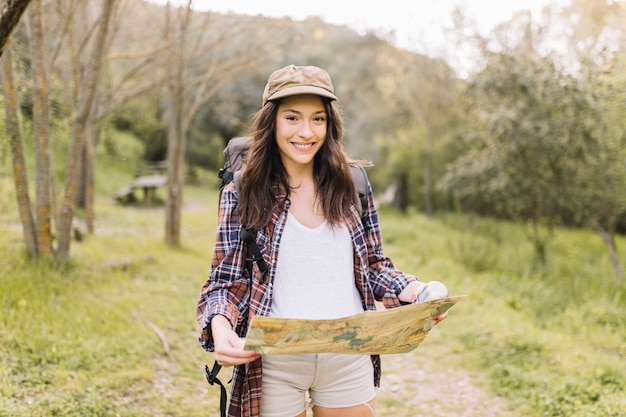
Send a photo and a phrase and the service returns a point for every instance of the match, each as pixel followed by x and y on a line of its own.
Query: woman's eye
pixel 291 118
pixel 320 119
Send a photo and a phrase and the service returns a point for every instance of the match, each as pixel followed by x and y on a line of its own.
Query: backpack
pixel 235 153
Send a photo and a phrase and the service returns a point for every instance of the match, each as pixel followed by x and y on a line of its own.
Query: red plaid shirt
pixel 231 293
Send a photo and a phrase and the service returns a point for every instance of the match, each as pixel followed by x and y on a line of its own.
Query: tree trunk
pixel 19 161
pixel 84 199
pixel 79 131
pixel 175 161
pixel 176 133
pixel 403 192
pixel 609 242
pixel 180 113
pixel 428 164
pixel 9 18
pixel 41 118
pixel 89 176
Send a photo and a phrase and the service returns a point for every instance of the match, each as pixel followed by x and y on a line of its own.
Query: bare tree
pixel 136 78
pixel 87 93
pixel 17 149
pixel 10 13
pixel 189 87
pixel 176 138
pixel 41 119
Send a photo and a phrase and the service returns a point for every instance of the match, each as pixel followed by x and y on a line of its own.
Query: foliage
pixel 540 146
pixel 520 145
pixel 142 118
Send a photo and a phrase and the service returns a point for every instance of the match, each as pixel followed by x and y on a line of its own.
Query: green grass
pixel 74 339
pixel 551 337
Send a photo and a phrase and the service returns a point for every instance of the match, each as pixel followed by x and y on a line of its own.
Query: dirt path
pixel 420 384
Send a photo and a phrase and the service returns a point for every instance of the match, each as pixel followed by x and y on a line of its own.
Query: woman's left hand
pixel 440 317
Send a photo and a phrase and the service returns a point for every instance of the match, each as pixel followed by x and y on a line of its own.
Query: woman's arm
pixel 226 291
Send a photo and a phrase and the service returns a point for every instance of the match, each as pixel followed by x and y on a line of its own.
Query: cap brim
pixel 301 89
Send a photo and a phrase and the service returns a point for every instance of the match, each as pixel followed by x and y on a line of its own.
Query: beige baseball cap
pixel 293 80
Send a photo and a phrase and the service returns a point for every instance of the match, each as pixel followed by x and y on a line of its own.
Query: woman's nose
pixel 305 130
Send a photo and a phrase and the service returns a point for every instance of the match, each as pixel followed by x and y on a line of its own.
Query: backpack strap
pixel 254 254
pixel 211 377
pixel 249 236
pixel 359 177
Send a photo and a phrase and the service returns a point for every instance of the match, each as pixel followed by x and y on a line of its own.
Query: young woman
pixel 298 194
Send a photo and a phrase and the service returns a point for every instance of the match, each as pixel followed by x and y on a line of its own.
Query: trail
pixel 421 384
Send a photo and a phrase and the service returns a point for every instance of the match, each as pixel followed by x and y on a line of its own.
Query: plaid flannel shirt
pixel 229 291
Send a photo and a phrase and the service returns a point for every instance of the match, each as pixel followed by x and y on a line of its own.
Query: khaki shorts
pixel 331 380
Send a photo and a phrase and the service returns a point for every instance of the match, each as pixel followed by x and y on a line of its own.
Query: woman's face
pixel 300 129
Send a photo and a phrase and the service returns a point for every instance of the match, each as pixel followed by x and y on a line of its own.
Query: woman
pixel 298 193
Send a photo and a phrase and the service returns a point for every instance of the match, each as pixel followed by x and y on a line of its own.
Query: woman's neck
pixel 305 205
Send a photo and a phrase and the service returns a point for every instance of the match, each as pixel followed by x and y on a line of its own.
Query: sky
pixel 412 21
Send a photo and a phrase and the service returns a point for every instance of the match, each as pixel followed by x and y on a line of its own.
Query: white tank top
pixel 315 273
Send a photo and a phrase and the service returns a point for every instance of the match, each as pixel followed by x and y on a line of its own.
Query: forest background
pixel 533 138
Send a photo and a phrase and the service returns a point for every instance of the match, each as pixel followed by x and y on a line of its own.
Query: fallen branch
pixel 159 332
pixel 124 264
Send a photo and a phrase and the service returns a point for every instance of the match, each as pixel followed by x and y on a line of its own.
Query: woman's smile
pixel 300 129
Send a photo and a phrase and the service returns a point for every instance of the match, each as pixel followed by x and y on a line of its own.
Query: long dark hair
pixel 265 182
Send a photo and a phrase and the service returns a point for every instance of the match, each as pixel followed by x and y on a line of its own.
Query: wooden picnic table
pixel 147 183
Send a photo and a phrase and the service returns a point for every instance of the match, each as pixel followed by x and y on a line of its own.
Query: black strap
pixel 248 236
pixel 211 377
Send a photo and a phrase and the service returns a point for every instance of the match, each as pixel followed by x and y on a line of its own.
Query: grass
pixel 76 340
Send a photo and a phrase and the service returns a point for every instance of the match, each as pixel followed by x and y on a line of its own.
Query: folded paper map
pixel 396 330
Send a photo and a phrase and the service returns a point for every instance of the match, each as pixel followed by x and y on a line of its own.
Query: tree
pixel 19 161
pixel 529 130
pixel 190 85
pixel 418 95
pixel 37 228
pixel 84 110
pixel 10 14
pixel 41 119
pixel 544 139
pixel 129 67
pixel 83 83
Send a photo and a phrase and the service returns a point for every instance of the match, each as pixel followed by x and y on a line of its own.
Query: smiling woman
pixel 297 194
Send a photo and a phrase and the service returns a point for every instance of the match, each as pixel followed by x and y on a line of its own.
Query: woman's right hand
pixel 228 348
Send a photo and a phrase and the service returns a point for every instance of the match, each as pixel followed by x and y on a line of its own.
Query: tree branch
pixel 9 18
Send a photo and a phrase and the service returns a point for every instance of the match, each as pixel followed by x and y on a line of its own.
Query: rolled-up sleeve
pixel 226 291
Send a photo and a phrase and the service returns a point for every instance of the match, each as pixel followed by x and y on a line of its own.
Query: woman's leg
pixel 363 410
pixel 286 379
pixel 344 386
